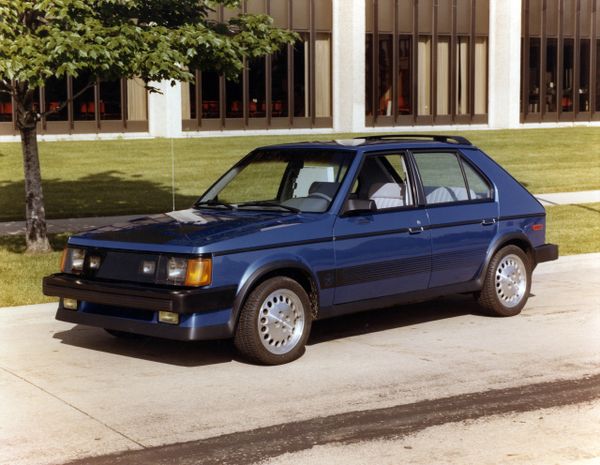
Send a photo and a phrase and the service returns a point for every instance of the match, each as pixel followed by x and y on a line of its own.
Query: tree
pixel 108 39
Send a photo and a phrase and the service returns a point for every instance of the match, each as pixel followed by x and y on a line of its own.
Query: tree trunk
pixel 35 213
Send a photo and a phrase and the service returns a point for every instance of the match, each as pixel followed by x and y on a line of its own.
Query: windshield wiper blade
pixel 214 203
pixel 267 203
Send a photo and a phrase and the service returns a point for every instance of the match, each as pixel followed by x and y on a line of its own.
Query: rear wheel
pixel 274 323
pixel 507 282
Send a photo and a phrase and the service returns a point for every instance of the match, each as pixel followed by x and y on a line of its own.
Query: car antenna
pixel 173 172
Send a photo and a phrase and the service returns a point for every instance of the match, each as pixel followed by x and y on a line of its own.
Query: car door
pixel 462 213
pixel 386 251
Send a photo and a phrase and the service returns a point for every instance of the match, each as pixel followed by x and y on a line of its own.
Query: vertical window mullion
pixel 560 59
pixel 70 103
pixel 576 60
pixel 593 59
pixel 415 61
pixel 543 60
pixel 124 103
pixel 42 93
pixel 97 104
pixel 434 60
pixel 375 88
pixel 471 75
pixel 525 62
pixel 395 64
pixel 311 63
pixel 453 66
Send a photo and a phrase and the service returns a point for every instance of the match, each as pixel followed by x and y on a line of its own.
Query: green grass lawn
pixel 102 178
pixel 575 228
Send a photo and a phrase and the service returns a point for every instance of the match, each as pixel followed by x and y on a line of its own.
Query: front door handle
pixel 489 221
pixel 417 230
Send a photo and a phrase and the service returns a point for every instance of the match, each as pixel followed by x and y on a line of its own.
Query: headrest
pixel 327 188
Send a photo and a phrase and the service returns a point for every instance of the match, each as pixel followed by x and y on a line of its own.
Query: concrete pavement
pixel 69 392
pixel 79 224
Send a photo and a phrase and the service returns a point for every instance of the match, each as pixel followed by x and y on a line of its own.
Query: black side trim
pixel 459 258
pixel 545 253
pixel 523 215
pixel 139 296
pixel 399 299
pixel 149 329
pixel 382 270
pixel 273 246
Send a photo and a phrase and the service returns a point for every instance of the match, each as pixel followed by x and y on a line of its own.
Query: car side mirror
pixel 358 207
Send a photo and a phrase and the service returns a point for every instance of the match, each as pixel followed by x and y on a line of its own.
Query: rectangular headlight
pixel 72 260
pixel 189 272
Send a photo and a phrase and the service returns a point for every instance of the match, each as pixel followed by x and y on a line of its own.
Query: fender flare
pixel 495 246
pixel 249 283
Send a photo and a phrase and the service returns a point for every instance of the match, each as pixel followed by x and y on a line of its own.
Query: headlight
pixel 189 272
pixel 72 260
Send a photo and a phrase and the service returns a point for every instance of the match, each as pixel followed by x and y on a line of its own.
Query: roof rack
pixel 437 138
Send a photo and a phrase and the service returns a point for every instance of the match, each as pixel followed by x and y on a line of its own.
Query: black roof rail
pixel 436 137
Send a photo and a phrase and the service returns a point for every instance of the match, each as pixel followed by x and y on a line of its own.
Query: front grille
pixel 120 312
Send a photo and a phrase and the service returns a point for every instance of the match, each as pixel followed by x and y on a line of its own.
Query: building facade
pixel 367 65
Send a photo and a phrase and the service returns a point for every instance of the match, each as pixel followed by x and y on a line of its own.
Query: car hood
pixel 204 231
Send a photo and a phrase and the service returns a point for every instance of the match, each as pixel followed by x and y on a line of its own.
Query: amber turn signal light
pixel 199 272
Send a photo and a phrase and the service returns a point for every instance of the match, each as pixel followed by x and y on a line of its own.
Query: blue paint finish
pixel 349 258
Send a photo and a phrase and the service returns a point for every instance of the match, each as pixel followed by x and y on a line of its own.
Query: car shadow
pixel 185 354
pixel 393 317
pixel 201 353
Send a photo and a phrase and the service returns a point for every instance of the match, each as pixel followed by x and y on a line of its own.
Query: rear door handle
pixel 489 222
pixel 417 230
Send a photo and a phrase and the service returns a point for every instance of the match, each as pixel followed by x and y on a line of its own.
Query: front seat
pixel 387 195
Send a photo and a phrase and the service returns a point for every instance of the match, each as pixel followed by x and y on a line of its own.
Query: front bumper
pixel 204 313
pixel 545 253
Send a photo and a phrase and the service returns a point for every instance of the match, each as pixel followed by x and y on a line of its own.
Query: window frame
pixel 415 190
pixel 461 161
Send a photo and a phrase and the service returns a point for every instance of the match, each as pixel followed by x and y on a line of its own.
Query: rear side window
pixel 477 185
pixel 442 177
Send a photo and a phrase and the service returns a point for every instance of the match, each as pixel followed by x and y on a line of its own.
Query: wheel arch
pixel 518 239
pixel 292 269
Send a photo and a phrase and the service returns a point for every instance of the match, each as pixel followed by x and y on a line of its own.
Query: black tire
pixel 494 298
pixel 256 340
pixel 124 334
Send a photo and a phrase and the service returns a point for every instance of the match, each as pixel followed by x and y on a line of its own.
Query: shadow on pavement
pixel 393 317
pixel 200 353
pixel 186 354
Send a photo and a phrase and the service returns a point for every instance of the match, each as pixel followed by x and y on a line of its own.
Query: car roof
pixel 381 142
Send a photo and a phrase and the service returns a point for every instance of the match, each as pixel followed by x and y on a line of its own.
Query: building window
pixel 430 66
pixel 291 88
pixel 560 60
pixel 106 106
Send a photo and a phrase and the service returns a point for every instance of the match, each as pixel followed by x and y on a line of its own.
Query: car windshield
pixel 294 180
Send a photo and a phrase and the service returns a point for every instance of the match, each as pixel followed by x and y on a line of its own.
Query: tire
pixel 507 282
pixel 123 334
pixel 274 323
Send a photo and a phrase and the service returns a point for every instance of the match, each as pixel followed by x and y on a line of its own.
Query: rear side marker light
pixel 537 227
pixel 171 318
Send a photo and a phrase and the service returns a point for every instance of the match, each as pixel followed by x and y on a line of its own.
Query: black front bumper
pixel 545 253
pixel 126 306
pixel 146 297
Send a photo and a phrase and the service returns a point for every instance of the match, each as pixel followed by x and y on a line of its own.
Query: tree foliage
pixel 153 40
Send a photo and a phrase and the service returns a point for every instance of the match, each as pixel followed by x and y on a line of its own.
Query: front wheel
pixel 507 282
pixel 274 323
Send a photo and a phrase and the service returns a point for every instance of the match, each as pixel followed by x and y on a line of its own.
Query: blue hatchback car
pixel 298 232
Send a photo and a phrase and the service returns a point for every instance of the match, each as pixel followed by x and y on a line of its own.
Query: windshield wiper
pixel 268 203
pixel 214 203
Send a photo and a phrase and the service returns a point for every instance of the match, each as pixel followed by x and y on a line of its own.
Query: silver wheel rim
pixel 511 280
pixel 281 321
